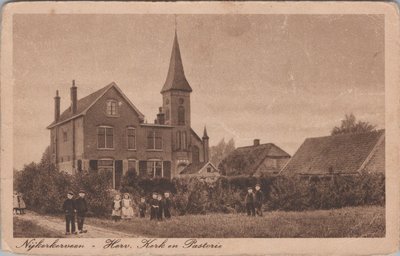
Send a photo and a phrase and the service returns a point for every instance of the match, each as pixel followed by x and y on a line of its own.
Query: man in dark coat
pixel 142 207
pixel 154 207
pixel 249 201
pixel 69 210
pixel 167 204
pixel 160 207
pixel 81 209
pixel 258 200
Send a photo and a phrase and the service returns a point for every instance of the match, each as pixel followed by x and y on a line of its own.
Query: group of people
pixel 254 201
pixel 160 207
pixel 18 204
pixel 75 207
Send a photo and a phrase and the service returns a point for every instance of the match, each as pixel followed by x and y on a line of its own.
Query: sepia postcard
pixel 200 128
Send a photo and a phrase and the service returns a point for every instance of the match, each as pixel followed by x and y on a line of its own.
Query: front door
pixel 118 174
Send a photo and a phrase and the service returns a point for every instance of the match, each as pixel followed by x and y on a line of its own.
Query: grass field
pixel 346 222
pixel 24 228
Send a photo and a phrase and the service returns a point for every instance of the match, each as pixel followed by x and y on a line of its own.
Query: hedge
pixel 44 189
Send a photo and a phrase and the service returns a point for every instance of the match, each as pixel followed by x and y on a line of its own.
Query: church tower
pixel 176 91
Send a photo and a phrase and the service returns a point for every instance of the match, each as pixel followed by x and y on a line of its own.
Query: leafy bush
pixel 44 189
pixel 98 191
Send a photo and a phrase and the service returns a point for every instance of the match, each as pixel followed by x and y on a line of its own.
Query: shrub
pixel 98 191
pixel 44 188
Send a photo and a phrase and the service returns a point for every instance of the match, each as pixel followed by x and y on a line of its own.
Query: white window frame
pixel 127 137
pixel 154 161
pixel 113 168
pixel 105 137
pixel 154 141
pixel 136 165
pixel 109 106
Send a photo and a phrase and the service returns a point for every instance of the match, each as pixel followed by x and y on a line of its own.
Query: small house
pixel 254 160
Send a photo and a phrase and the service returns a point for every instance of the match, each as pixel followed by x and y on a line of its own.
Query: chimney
pixel 160 116
pixel 57 107
pixel 74 97
pixel 257 142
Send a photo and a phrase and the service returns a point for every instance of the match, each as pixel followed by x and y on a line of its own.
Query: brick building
pixel 106 131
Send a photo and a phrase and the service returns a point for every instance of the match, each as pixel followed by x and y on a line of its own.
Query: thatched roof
pixel 347 153
pixel 246 160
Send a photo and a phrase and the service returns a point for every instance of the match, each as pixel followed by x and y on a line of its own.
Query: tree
pixel 351 125
pixel 221 150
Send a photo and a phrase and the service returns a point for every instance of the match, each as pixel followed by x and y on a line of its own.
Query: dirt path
pixel 57 225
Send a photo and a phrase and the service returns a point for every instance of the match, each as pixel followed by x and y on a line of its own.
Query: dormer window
pixel 112 108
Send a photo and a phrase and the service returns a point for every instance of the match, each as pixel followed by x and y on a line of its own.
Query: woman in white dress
pixel 127 207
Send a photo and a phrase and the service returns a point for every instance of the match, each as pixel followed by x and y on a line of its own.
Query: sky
pixel 277 78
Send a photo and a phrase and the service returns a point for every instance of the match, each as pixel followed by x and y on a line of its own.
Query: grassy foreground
pixel 368 221
pixel 25 228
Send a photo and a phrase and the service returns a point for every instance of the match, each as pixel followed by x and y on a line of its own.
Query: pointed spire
pixel 205 136
pixel 176 79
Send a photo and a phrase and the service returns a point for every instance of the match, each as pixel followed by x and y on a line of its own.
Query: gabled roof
pixel 344 153
pixel 194 168
pixel 246 160
pixel 176 79
pixel 85 103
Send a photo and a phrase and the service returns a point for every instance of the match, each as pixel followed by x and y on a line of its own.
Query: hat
pixel 82 191
pixel 155 193
pixel 167 192
pixel 249 188
pixel 70 193
pixel 258 185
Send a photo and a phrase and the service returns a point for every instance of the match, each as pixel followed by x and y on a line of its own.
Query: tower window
pixel 181 115
pixel 166 113
pixel 65 136
pixel 112 108
pixel 178 140
pixel 184 142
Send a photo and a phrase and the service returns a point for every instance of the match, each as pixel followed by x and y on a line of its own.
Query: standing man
pixel 154 207
pixel 69 210
pixel 249 201
pixel 167 205
pixel 259 199
pixel 81 209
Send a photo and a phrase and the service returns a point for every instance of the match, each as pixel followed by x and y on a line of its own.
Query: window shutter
pixel 167 169
pixel 142 168
pixel 93 165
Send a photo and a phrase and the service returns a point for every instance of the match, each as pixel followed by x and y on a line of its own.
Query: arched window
pixel 184 142
pixel 195 154
pixel 167 114
pixel 181 115
pixel 178 140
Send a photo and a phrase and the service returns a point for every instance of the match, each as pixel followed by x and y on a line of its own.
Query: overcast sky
pixel 279 78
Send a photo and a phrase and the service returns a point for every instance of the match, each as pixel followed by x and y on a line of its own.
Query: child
pixel 22 205
pixel 81 209
pixel 16 210
pixel 69 210
pixel 142 207
pixel 167 205
pixel 116 208
pixel 127 210
pixel 258 200
pixel 160 207
pixel 249 201
pixel 154 207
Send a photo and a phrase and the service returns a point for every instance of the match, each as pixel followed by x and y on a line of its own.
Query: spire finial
pixel 205 136
pixel 175 24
